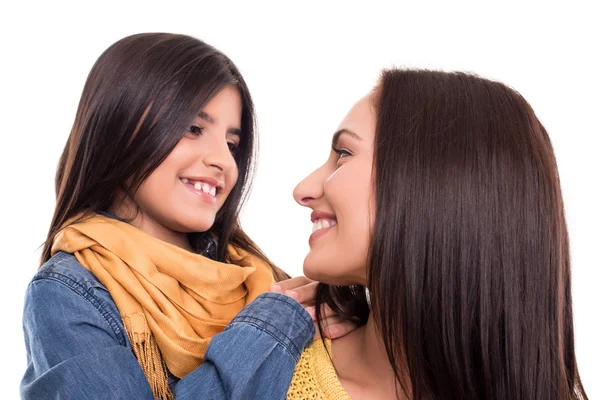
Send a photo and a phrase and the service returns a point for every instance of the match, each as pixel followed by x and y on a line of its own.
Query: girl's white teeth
pixel 323 223
pixel 202 187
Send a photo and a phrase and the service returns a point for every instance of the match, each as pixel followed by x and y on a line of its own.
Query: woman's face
pixel 340 193
pixel 189 187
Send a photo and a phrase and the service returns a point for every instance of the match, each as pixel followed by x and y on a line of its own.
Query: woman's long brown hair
pixel 139 98
pixel 469 271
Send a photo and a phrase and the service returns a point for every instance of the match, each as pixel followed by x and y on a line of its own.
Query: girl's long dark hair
pixel 469 271
pixel 139 98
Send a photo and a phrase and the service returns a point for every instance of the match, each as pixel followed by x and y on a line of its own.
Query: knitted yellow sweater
pixel 315 378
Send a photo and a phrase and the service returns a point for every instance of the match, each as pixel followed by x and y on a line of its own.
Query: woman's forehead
pixel 361 118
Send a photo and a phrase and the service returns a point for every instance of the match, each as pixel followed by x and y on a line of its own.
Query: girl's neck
pixel 152 227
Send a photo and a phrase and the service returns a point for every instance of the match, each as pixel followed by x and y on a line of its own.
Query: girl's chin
pixel 195 224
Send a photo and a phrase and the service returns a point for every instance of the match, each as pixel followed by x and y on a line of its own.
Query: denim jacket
pixel 77 347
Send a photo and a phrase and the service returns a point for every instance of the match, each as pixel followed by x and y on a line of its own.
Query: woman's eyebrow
pixel 336 136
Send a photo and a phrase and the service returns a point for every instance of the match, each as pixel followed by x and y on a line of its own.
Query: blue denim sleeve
pixel 73 351
pixel 255 356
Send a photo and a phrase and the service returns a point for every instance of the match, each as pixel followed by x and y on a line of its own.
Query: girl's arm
pixel 75 350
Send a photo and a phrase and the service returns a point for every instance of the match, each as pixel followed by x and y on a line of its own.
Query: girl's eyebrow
pixel 211 120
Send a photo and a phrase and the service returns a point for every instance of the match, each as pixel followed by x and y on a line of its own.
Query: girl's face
pixel 340 193
pixel 189 187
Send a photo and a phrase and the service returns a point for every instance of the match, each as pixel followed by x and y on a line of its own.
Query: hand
pixel 304 291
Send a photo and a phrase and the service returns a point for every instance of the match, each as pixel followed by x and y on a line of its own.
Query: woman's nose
pixel 310 188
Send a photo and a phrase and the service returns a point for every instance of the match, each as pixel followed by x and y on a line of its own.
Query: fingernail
pixel 275 288
pixel 291 293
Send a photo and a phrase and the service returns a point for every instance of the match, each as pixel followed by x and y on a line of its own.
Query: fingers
pixel 290 284
pixel 331 321
pixel 339 329
pixel 326 312
pixel 300 288
pixel 305 295
pixel 325 326
pixel 304 291
pixel 334 328
pixel 317 333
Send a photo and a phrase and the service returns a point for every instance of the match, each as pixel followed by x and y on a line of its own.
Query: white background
pixel 305 64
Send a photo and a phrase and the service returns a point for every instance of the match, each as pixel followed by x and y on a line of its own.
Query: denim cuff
pixel 281 317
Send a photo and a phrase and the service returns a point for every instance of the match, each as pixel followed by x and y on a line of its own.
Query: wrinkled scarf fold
pixel 171 301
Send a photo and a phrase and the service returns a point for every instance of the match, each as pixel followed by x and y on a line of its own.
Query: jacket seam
pixel 282 340
pixel 86 293
pixel 279 335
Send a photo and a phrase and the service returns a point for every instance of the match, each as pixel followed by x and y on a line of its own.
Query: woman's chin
pixel 327 273
pixel 314 268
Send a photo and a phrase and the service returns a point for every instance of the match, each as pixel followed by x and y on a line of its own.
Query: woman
pixel 145 260
pixel 441 197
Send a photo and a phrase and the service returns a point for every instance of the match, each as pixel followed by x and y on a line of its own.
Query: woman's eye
pixel 342 153
pixel 195 130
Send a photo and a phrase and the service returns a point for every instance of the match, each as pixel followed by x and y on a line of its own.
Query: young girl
pixel 145 260
pixel 441 196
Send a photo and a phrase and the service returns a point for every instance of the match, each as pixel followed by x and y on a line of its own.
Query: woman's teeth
pixel 323 223
pixel 201 187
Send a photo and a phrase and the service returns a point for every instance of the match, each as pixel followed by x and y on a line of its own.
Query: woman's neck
pixel 362 364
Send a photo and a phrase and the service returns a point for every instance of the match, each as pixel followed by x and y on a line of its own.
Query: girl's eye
pixel 233 148
pixel 195 130
pixel 342 153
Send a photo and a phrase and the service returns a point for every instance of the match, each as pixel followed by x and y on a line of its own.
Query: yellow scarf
pixel 170 299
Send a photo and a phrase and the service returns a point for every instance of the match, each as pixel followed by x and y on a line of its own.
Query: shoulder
pixel 63 290
pixel 64 267
pixel 315 375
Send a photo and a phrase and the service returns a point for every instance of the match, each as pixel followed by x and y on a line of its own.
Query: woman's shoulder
pixel 315 376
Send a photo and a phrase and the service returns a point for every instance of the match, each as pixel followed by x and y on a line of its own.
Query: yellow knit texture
pixel 315 378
